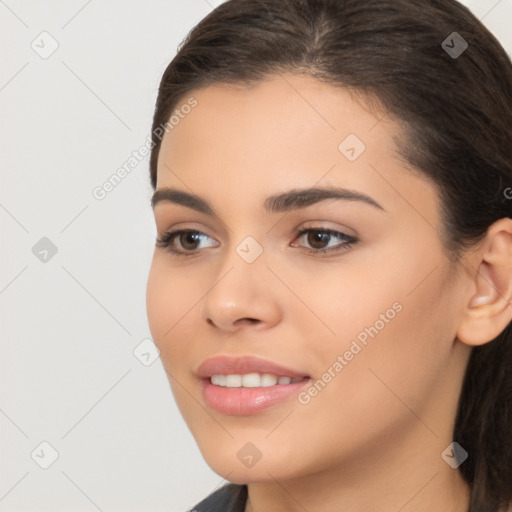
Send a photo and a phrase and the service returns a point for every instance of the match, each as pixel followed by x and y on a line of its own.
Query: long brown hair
pixel 451 94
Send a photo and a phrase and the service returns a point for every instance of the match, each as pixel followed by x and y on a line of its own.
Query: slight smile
pixel 245 385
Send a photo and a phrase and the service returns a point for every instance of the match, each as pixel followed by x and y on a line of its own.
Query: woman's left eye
pixel 318 238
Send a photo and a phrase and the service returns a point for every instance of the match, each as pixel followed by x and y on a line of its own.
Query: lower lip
pixel 246 401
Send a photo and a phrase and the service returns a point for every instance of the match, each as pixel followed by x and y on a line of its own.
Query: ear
pixel 488 307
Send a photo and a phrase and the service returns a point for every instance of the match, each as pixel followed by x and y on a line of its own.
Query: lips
pixel 240 365
pixel 244 401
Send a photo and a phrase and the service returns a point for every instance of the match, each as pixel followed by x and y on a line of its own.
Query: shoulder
pixel 229 498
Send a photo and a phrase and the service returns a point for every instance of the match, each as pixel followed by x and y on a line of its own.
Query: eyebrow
pixel 284 202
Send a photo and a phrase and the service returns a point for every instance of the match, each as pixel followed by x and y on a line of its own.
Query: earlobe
pixel 489 307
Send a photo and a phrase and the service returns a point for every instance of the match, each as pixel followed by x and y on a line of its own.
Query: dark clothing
pixel 230 498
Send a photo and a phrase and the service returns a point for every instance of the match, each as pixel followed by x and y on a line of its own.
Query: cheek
pixel 168 299
pixel 394 327
pixel 158 293
pixel 173 297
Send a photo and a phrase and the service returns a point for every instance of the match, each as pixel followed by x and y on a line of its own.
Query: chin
pixel 236 465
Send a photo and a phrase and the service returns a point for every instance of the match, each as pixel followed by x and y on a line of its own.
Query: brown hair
pixel 456 113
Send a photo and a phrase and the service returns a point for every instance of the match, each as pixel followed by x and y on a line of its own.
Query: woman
pixel 330 289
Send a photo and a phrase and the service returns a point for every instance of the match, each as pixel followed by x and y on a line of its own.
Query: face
pixel 350 297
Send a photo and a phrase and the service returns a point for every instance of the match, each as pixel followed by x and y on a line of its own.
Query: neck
pixel 406 476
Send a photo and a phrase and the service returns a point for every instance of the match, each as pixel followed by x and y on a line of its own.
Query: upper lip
pixel 240 365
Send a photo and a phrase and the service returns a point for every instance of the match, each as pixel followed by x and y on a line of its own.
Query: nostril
pixel 249 320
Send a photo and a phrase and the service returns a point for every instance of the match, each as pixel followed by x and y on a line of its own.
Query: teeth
pixel 268 380
pixel 219 380
pixel 233 381
pixel 251 380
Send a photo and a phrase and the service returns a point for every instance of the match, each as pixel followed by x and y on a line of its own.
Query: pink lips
pixel 246 401
pixel 226 365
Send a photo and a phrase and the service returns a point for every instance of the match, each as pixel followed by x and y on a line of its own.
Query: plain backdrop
pixel 80 391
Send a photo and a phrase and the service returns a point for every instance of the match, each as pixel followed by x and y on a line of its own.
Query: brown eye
pixel 318 239
pixel 188 241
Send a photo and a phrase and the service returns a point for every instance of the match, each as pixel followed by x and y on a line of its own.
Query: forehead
pixel 288 130
pixel 283 118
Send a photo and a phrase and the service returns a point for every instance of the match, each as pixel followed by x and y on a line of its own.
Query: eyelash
pixel 167 238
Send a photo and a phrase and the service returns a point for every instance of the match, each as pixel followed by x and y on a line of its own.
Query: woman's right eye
pixel 188 239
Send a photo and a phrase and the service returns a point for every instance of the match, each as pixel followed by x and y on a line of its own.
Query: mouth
pixel 247 385
pixel 252 380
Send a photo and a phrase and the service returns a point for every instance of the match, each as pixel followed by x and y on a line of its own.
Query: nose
pixel 243 295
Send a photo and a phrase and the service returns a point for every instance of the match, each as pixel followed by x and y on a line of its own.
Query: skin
pixel 372 439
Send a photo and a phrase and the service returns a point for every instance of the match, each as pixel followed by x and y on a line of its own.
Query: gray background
pixel 72 320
